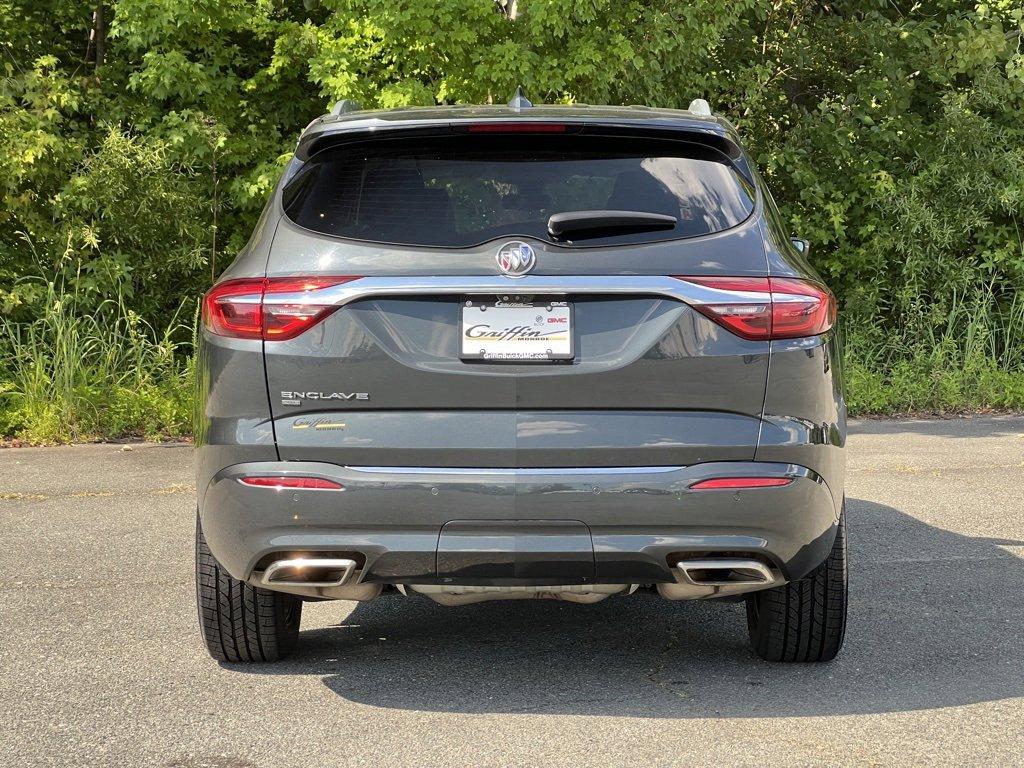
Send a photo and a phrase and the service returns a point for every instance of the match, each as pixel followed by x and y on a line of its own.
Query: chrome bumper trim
pixel 515 472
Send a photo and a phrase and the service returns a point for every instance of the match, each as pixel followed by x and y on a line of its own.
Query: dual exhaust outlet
pixel 695 579
pixel 718 577
pixel 328 578
pixel 308 572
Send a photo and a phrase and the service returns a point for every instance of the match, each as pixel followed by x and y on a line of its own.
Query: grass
pixel 972 360
pixel 71 376
pixel 925 385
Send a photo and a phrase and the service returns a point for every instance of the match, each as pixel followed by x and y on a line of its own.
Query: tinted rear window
pixel 465 190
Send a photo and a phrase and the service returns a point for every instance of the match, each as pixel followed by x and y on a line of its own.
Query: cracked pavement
pixel 102 662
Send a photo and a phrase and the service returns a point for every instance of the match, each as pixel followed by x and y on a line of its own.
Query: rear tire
pixel 803 621
pixel 242 623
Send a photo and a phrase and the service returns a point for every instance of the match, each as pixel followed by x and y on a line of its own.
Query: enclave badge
pixel 296 398
pixel 516 258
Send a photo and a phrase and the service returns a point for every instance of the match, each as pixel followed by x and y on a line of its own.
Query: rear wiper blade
pixel 596 223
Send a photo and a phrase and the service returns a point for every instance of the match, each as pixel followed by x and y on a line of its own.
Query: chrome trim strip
pixel 516 472
pixel 537 285
pixel 790 298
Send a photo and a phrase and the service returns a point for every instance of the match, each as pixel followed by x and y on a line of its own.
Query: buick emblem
pixel 515 259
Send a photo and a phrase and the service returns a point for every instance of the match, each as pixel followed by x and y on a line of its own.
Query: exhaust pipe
pixel 308 572
pixel 717 578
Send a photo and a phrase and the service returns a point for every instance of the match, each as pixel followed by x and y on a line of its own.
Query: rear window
pixel 465 190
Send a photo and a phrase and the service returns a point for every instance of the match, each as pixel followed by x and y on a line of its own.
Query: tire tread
pixel 805 620
pixel 240 622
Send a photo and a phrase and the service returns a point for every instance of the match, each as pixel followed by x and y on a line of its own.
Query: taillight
pixel 269 308
pixel 232 308
pixel 290 305
pixel 292 482
pixel 765 308
pixel 733 483
pixel 800 308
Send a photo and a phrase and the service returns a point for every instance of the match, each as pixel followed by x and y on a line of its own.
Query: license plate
pixel 517 331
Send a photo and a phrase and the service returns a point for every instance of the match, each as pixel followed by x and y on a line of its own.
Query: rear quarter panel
pixel 804 411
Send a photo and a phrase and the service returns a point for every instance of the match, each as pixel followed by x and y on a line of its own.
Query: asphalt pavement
pixel 101 662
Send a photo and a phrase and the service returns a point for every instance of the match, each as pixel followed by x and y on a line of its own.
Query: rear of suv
pixel 476 353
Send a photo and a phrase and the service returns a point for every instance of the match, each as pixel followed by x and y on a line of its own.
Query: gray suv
pixel 484 353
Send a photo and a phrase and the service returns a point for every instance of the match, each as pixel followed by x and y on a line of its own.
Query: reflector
pixel 721 483
pixel 292 481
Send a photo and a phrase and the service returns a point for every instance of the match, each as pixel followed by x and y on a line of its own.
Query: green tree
pixel 139 138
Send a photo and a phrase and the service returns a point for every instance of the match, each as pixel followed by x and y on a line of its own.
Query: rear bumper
pixel 397 519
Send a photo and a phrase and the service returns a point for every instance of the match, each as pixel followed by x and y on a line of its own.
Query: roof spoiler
pixel 316 142
pixel 345 131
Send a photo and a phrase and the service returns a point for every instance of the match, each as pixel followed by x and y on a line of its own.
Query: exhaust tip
pixel 308 572
pixel 718 577
pixel 725 572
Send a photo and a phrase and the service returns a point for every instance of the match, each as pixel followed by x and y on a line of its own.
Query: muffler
pixel 718 577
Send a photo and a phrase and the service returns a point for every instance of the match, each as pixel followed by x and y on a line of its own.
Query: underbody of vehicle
pixel 478 353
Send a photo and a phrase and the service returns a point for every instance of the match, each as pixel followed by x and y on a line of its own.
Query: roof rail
pixel 519 102
pixel 345 107
pixel 699 107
